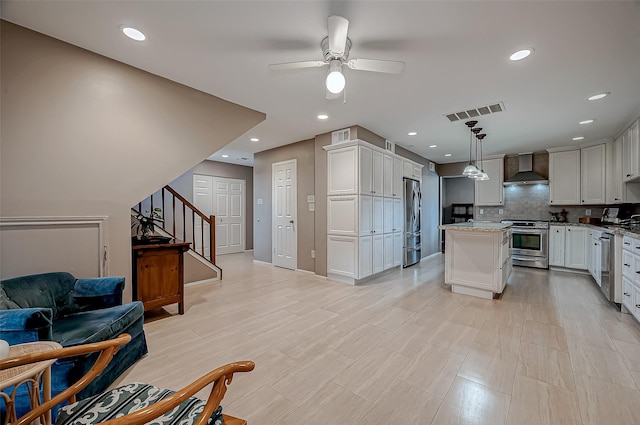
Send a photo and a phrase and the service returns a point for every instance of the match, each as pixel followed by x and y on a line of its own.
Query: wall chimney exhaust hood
pixel 525 174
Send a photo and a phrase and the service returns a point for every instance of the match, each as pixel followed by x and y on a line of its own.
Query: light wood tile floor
pixel 402 349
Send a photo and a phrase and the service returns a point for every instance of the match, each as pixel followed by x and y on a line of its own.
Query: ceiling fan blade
pixel 338 28
pixel 296 65
pixel 376 65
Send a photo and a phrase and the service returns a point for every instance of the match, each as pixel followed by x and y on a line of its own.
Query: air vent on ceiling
pixel 340 136
pixel 476 112
pixel 390 146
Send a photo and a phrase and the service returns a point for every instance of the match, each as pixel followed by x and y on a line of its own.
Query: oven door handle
pixel 529 231
pixel 513 257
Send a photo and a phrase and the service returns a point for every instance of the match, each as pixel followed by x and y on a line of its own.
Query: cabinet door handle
pixel 568 230
pixel 626 294
pixel 627 243
pixel 628 175
pixel 627 265
pixel 637 305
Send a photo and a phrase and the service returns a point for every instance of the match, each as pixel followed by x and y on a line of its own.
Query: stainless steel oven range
pixel 530 244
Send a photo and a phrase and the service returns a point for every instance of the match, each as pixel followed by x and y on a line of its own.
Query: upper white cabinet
pixel 397 178
pixel 577 176
pixel 392 177
pixel 614 191
pixel 592 166
pixel 342 169
pixel 631 152
pixel 491 192
pixel 365 155
pixel 377 174
pixel 412 170
pixel 564 177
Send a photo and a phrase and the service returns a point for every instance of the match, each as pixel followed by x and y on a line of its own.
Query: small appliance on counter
pixel 589 220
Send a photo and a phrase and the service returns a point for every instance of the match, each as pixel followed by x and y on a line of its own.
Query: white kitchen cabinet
pixel 412 170
pixel 398 215
pixel 592 183
pixel 365 256
pixel 631 149
pixel 377 174
pixel 397 249
pixel 364 202
pixel 556 245
pixel 388 215
pixel 614 190
pixel 378 253
pixel 627 293
pixel 596 259
pixel 388 176
pixel 631 276
pixel 491 192
pixel 564 177
pixel 388 251
pixel 343 216
pixel 397 178
pixel 591 254
pixel 575 249
pixel 342 256
pixel 342 169
pixel 365 166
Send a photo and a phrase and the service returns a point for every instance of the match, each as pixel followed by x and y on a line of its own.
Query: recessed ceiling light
pixel 578 138
pixel 323 116
pixel 586 121
pixel 254 139
pixel 433 146
pixel 412 133
pixel 225 156
pixel 134 34
pixel 521 54
pixel 599 96
pixel 447 154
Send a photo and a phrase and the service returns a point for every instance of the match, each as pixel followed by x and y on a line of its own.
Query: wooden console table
pixel 158 274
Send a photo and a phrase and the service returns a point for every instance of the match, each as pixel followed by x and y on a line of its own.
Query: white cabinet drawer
pixel 627 243
pixel 627 264
pixel 636 270
pixel 627 293
pixel 636 246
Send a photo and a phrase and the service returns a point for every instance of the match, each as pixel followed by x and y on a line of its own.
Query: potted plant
pixel 144 226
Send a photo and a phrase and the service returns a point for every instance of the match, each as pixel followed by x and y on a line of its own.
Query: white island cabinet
pixel 477 258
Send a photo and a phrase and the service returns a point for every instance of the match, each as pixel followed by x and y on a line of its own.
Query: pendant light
pixel 475 132
pixel 470 170
pixel 482 176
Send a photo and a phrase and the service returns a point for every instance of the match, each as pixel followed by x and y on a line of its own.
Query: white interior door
pixel 228 204
pixel 284 235
pixel 224 198
pixel 203 201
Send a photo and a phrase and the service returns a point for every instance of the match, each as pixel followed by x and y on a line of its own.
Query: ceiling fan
pixel 336 47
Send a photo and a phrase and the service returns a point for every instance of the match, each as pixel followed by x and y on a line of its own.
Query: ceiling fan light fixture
pixel 335 80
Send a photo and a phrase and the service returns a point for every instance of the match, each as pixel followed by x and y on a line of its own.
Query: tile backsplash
pixel 532 203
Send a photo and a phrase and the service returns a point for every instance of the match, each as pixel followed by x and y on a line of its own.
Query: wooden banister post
pixel 212 240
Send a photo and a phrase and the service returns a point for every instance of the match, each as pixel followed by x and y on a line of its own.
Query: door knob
pixel 291 221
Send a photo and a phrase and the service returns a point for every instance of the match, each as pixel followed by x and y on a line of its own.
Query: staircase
pixel 183 221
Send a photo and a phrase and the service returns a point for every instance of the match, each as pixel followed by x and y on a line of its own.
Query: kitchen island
pixel 477 258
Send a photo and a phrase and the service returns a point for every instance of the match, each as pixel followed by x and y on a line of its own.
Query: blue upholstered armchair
pixel 58 307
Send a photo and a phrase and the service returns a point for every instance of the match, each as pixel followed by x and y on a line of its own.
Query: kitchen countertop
pixel 476 226
pixel 616 230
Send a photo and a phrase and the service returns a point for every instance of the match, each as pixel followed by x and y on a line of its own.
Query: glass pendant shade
pixel 470 170
pixel 482 176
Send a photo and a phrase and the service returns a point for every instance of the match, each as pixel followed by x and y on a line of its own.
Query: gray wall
pixel 458 190
pixel 84 135
pixel 303 153
pixel 184 186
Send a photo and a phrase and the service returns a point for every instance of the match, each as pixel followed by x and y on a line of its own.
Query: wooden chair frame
pixel 220 377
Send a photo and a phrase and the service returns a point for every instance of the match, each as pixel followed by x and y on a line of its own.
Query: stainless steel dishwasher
pixel 607 273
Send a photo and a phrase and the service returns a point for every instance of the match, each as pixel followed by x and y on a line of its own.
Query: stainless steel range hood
pixel 525 174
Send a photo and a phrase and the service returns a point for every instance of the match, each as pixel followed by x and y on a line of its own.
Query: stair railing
pixel 182 220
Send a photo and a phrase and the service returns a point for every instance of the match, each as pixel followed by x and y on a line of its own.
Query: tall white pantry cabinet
pixel 365 209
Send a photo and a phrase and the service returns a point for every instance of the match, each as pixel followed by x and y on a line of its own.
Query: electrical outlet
pixel 500 211
pixel 481 211
pixel 587 212
pixel 313 253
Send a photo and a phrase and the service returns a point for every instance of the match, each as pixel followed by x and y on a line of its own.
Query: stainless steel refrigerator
pixel 412 244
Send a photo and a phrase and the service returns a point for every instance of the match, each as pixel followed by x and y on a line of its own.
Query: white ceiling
pixel 456 56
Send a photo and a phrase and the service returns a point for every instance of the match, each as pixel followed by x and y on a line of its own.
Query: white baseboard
pixel 305 271
pixel 202 282
pixel 262 262
pixel 431 256
pixel 248 250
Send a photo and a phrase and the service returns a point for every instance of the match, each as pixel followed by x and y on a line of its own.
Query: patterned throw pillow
pixel 128 399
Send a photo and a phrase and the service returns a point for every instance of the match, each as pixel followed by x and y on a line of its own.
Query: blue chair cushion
pixel 49 290
pixel 96 325
pixel 131 398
